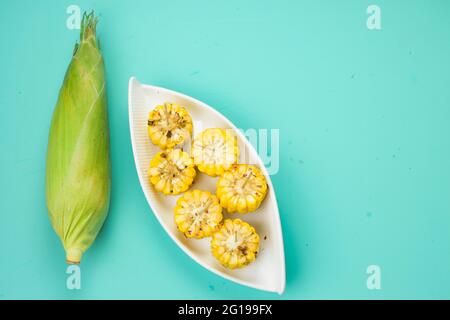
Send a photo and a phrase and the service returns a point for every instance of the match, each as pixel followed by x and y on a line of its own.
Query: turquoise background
pixel 364 131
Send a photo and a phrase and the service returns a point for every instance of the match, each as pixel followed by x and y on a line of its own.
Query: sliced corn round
pixel 242 188
pixel 171 171
pixel 236 244
pixel 214 150
pixel 169 125
pixel 198 214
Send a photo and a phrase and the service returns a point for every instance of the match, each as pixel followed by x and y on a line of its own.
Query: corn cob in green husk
pixel 78 166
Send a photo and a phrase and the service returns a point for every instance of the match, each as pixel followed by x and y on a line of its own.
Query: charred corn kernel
pixel 198 214
pixel 169 125
pixel 236 244
pixel 242 188
pixel 78 176
pixel 171 171
pixel 215 150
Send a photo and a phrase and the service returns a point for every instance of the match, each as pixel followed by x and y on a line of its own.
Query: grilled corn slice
pixel 171 171
pixel 214 150
pixel 198 214
pixel 169 125
pixel 242 188
pixel 236 244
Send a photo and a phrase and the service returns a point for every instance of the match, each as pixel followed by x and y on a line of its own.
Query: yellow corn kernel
pixel 198 214
pixel 169 125
pixel 171 171
pixel 236 244
pixel 242 188
pixel 214 150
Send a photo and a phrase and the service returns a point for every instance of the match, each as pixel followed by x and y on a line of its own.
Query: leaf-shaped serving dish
pixel 267 272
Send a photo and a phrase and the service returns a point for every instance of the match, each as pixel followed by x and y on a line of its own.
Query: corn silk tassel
pixel 78 179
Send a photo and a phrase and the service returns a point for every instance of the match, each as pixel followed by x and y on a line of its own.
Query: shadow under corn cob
pixel 78 177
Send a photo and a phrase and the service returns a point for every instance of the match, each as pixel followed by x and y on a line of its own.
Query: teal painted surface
pixel 364 141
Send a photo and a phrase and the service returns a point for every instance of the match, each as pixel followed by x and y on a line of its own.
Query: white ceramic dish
pixel 267 272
